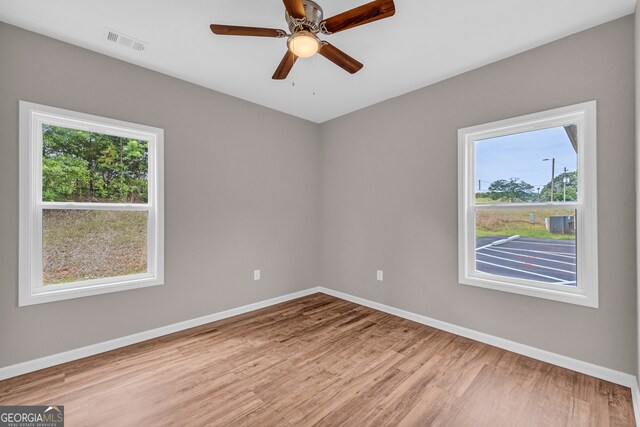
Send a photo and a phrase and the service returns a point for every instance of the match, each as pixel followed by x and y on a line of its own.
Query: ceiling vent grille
pixel 123 40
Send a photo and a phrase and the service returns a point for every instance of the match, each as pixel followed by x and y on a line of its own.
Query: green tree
pixel 89 166
pixel 570 182
pixel 64 178
pixel 513 190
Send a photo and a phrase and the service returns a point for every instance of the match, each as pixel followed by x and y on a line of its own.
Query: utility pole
pixel 479 185
pixel 553 173
pixel 564 185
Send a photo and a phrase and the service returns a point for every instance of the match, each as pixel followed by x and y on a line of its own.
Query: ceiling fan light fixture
pixel 303 44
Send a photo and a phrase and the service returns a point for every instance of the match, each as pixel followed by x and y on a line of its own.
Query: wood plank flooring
pixel 319 361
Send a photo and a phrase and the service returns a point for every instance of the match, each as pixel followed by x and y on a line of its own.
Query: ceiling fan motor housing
pixel 311 22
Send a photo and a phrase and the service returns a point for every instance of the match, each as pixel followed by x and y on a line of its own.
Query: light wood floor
pixel 323 361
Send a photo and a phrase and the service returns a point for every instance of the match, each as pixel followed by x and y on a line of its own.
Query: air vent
pixel 111 36
pixel 123 40
pixel 137 45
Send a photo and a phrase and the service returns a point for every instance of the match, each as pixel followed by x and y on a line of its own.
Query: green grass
pixel 82 245
pixel 512 222
pixel 523 231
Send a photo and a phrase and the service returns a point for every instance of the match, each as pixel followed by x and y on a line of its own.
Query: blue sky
pixel 520 156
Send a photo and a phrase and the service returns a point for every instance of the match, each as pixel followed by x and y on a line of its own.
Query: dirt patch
pixel 87 244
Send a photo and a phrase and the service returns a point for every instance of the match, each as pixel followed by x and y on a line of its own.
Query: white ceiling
pixel 425 42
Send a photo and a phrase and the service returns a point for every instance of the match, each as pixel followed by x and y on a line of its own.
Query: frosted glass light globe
pixel 303 44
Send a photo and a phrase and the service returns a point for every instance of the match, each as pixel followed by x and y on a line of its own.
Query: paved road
pixel 545 260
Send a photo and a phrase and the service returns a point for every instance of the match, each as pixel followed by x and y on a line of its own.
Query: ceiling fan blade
pixel 232 30
pixel 378 9
pixel 295 8
pixel 339 58
pixel 285 66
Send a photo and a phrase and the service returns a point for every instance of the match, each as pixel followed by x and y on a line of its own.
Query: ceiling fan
pixel 305 21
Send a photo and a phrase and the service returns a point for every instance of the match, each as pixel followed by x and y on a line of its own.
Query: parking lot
pixel 546 260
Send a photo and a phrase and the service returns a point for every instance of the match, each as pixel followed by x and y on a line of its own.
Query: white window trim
pixel 586 291
pixel 31 291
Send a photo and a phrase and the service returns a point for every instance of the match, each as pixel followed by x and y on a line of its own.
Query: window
pixel 527 205
pixel 91 205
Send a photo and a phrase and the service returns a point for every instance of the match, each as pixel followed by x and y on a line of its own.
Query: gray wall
pixel 242 185
pixel 390 196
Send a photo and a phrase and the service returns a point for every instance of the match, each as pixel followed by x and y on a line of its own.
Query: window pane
pixel 536 166
pixel 84 166
pixel 88 244
pixel 528 244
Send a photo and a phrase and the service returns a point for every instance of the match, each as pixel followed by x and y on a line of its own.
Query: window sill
pixel 88 288
pixel 571 296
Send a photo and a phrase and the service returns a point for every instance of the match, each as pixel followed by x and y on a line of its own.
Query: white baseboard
pixel 90 350
pixel 601 372
pixel 587 368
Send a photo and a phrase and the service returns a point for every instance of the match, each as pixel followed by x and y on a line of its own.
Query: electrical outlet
pixel 256 274
pixel 380 275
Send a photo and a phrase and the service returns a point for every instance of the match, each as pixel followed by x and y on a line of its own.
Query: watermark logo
pixel 31 416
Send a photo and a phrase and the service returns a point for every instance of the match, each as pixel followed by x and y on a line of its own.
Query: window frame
pixel 31 206
pixel 586 290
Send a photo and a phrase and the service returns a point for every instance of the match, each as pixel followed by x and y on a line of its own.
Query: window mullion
pixel 95 206
pixel 526 206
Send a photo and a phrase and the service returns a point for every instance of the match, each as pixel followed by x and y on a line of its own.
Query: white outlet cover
pixel 256 274
pixel 380 275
